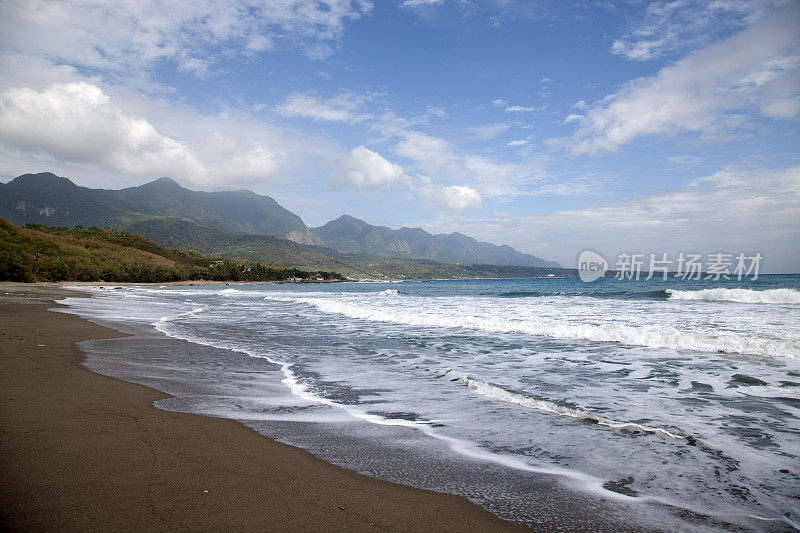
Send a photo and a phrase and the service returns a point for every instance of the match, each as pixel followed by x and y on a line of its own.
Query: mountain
pixel 179 233
pixel 175 216
pixel 350 234
pixel 55 201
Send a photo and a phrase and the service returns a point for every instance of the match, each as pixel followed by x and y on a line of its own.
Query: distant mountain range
pixel 237 222
pixel 349 234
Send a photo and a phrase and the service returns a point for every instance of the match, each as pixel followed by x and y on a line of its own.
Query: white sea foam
pixel 494 392
pixel 464 447
pixel 651 335
pixel 627 386
pixel 748 296
pixel 388 292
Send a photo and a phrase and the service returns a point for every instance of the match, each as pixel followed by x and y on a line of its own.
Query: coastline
pixel 86 451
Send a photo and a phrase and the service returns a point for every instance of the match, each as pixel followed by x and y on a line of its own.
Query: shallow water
pixel 666 404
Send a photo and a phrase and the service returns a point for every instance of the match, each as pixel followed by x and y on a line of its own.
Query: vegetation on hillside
pixel 185 234
pixel 246 225
pixel 40 253
pixel 174 232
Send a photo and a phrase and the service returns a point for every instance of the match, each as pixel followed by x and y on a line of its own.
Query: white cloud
pixel 685 159
pixel 343 108
pixel 364 168
pixel 418 3
pixel 237 160
pixel 709 92
pixel 78 122
pixel 489 131
pixel 751 208
pixel 517 142
pixel 573 117
pixel 94 63
pixel 435 111
pixel 756 210
pixel 455 197
pixel 500 102
pixel 435 156
pixel 426 149
pixel 669 25
pixel 134 34
pixel 520 109
pixel 79 128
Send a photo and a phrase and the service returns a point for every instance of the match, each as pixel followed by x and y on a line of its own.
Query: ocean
pixel 638 405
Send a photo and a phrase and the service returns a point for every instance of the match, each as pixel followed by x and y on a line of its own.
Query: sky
pixel 552 126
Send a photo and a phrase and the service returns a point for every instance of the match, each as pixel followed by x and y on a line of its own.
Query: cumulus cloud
pixel 130 35
pixel 709 92
pixel 79 122
pixel 364 168
pixel 455 197
pixel 238 160
pixel 435 156
pixel 433 152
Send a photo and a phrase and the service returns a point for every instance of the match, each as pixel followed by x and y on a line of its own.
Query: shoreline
pixel 86 451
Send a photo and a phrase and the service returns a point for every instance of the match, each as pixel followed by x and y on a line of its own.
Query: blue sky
pixel 660 126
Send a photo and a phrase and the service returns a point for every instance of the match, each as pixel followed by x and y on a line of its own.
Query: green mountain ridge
pixel 184 234
pixel 245 224
pixel 52 200
pixel 179 233
pixel 41 253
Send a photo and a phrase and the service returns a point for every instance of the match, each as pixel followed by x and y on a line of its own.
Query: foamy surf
pixel 302 391
pixel 388 292
pixel 439 313
pixel 745 296
pixel 533 391
pixel 494 392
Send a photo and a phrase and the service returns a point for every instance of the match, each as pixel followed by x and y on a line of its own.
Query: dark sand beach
pixel 83 452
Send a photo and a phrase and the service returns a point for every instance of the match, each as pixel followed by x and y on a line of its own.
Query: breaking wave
pixel 649 336
pixel 388 292
pixel 748 296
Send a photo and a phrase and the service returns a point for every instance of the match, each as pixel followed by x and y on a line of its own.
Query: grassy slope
pixel 39 253
pixel 184 234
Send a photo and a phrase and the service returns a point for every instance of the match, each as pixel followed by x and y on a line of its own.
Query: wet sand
pixel 81 451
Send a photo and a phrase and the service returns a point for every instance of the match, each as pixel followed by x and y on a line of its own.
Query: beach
pixel 410 406
pixel 89 452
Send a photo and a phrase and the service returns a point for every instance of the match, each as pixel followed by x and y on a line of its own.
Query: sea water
pixel 664 404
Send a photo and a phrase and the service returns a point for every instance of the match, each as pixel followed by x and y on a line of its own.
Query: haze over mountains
pixel 171 215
